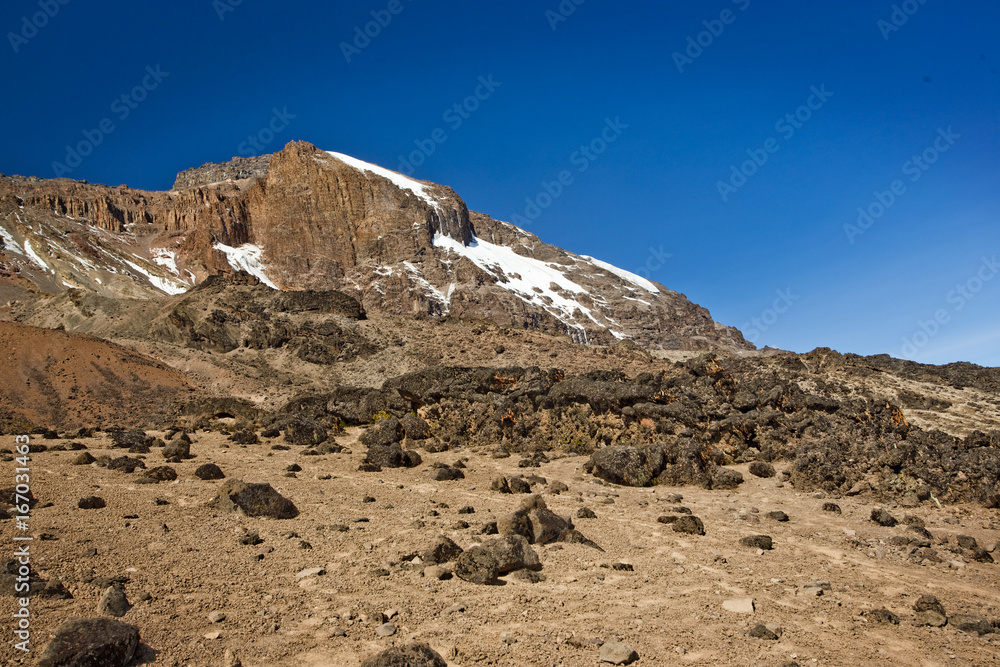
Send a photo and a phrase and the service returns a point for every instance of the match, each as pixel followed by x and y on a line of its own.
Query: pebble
pixel 216 617
pixel 385 630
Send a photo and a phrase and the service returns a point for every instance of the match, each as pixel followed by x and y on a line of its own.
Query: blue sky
pixel 820 108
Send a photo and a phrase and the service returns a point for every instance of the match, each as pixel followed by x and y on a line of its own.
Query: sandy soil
pixel 669 608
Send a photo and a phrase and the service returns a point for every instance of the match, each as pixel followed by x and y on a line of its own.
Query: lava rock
pixel 882 517
pixel 762 469
pixel 91 642
pixel 442 550
pixel 254 500
pixel 161 474
pixel 757 542
pixel 689 524
pixel 91 503
pixel 411 655
pixel 209 471
pixel 113 602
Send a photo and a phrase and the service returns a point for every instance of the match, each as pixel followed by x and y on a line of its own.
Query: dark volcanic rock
pixel 535 521
pixel 411 655
pixel 630 466
pixel 161 474
pixel 883 518
pixel 415 428
pixel 91 642
pixel 392 456
pixel 91 503
pixel 383 434
pixel 689 524
pixel 478 565
pixel 441 551
pixel 254 500
pixel 176 450
pixel 304 431
pixel 762 469
pixel 126 464
pixel 971 624
pixel 757 542
pixel 446 474
pixel 130 439
pixel 209 471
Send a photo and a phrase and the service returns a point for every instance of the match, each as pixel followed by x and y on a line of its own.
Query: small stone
pixel 229 659
pixel 689 524
pixel 113 602
pixel 770 631
pixel 618 653
pixel 216 617
pixel 739 605
pixel 209 471
pixel 762 469
pixel 456 608
pixel 91 503
pixel 757 542
pixel 882 517
pixel 585 513
pixel 777 515
pixel 831 507
pixel 385 630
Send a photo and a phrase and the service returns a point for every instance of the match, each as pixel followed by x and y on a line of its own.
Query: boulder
pixel 91 642
pixel 254 500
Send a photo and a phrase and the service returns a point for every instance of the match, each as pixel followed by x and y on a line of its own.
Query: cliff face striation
pixel 306 219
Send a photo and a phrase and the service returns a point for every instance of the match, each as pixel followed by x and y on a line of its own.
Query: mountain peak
pixel 307 219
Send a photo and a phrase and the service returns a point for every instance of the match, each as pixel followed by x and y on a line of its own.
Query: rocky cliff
pixel 306 219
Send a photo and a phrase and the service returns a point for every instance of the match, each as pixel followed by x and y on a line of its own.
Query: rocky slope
pixel 305 219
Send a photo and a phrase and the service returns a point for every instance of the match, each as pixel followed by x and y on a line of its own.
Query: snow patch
pixel 433 291
pixel 400 181
pixel 9 242
pixel 171 287
pixel 627 276
pixel 528 278
pixel 30 252
pixel 246 257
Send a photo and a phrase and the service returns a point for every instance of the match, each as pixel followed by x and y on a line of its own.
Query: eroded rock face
pixel 316 221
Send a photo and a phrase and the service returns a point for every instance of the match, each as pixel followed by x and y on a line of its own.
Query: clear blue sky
pixel 885 94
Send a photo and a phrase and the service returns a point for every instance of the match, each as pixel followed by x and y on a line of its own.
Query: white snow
pixel 9 242
pixel 166 285
pixel 528 278
pixel 623 274
pixel 165 258
pixel 246 257
pixel 400 181
pixel 34 256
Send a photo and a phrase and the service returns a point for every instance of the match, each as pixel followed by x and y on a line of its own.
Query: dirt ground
pixel 669 607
